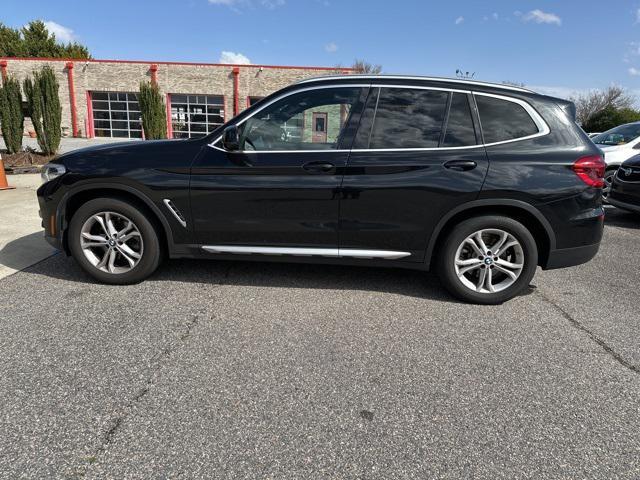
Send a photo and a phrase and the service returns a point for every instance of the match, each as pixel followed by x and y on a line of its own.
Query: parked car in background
pixel 481 182
pixel 618 144
pixel 625 190
pixel 591 135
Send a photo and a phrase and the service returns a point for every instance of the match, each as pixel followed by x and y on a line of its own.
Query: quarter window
pixel 460 131
pixel 504 120
pixel 308 120
pixel 408 118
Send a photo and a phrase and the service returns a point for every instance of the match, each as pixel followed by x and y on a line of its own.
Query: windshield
pixel 619 135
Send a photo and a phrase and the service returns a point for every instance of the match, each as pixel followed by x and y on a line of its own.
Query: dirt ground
pixel 24 162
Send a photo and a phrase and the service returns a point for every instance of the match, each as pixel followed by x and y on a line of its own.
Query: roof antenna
pixel 465 75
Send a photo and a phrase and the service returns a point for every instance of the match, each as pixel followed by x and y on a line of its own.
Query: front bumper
pixel 51 221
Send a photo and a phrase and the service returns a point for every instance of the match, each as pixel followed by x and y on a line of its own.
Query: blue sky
pixel 555 46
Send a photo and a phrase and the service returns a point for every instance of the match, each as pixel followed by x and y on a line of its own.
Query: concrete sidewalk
pixel 21 236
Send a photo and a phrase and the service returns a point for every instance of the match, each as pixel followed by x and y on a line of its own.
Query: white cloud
pixel 495 16
pixel 538 16
pixel 459 20
pixel 235 4
pixel 634 72
pixel 638 16
pixel 62 33
pixel 233 57
pixel 331 47
pixel 560 92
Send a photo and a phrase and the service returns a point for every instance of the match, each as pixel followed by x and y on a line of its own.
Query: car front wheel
pixel 114 241
pixel 487 260
pixel 608 181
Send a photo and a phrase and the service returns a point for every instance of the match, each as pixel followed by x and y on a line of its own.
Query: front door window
pixel 310 120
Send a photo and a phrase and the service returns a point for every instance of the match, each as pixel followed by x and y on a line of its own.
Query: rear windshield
pixel 619 135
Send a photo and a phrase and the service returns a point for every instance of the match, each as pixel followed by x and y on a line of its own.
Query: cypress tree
pixel 152 111
pixel 44 108
pixel 11 115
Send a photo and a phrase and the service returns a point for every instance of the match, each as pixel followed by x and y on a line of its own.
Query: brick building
pixel 99 98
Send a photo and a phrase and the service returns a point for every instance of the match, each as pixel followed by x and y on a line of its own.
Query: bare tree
pixel 587 105
pixel 360 66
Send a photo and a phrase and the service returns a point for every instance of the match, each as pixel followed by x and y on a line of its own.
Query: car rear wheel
pixel 113 241
pixel 487 260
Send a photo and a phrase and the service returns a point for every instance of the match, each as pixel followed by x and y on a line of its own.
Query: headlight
pixel 51 171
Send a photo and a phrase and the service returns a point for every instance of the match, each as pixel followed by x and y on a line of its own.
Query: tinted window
pixel 460 132
pixel 408 118
pixel 619 135
pixel 503 120
pixel 303 121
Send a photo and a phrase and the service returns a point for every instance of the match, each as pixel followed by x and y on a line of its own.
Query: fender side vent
pixel 176 213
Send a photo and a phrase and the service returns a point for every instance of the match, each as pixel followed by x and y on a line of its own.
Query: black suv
pixel 482 182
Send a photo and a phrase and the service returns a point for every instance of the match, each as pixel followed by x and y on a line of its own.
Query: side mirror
pixel 231 138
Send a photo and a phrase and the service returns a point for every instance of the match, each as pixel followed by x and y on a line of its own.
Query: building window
pixel 253 100
pixel 195 115
pixel 116 114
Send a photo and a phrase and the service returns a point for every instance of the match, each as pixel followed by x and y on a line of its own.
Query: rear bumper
pixel 569 257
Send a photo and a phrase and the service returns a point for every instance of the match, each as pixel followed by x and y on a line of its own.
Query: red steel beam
pixel 72 99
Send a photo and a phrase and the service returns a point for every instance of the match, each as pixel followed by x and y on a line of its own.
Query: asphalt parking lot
pixel 257 370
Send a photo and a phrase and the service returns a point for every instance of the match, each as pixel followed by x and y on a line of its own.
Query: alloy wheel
pixel 111 242
pixel 489 261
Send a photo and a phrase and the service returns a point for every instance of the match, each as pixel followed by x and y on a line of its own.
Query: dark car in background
pixel 481 182
pixel 625 190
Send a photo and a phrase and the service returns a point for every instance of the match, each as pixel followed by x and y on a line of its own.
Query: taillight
pixel 591 170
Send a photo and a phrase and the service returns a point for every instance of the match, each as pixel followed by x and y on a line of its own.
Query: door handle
pixel 319 167
pixel 460 165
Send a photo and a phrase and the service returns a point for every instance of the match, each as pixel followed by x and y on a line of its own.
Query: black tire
pixel 151 254
pixel 446 258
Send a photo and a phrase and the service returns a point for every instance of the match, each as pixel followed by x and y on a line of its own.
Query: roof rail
pixel 417 77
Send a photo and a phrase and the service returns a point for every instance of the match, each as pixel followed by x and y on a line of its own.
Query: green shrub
pixel 152 111
pixel 44 108
pixel 609 118
pixel 11 115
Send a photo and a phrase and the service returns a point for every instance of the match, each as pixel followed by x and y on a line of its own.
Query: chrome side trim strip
pixel 384 254
pixel 173 209
pixel 306 252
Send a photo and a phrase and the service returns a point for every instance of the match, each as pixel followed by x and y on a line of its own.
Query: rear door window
pixel 408 118
pixel 503 120
pixel 460 131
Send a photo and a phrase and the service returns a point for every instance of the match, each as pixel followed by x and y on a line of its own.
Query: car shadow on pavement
pixel 412 283
pixel 616 217
pixel 23 252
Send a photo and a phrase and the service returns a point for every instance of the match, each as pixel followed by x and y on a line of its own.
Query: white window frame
pixel 188 123
pixel 110 110
pixel 543 128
